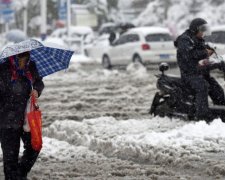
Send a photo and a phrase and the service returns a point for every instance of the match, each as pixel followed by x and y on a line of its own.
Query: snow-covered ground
pixel 97 126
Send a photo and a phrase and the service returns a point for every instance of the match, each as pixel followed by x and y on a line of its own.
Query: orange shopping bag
pixel 35 123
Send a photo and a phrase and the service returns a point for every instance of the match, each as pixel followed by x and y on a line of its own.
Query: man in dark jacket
pixel 191 48
pixel 18 75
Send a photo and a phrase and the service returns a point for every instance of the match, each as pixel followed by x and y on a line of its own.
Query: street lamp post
pixel 69 22
pixel 25 19
pixel 24 4
pixel 43 19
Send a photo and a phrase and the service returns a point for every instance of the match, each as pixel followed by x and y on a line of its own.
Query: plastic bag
pixel 35 123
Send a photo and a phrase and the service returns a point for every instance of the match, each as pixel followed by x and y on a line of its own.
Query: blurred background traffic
pixel 111 32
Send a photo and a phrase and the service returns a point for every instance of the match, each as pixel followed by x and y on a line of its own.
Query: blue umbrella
pixel 47 59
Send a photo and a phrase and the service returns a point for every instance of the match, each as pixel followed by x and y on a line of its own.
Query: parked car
pixel 11 37
pixel 108 33
pixel 217 39
pixel 57 42
pixel 80 35
pixel 145 45
pixel 96 50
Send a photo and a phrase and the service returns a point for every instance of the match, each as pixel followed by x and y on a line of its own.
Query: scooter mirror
pixel 163 67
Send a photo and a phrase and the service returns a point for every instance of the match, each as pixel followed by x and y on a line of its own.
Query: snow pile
pixel 62 150
pixel 153 140
pixel 78 71
pixel 137 70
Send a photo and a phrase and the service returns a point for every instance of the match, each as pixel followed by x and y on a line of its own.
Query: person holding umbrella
pixel 19 79
pixel 22 67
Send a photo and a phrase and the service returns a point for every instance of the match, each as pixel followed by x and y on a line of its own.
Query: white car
pixel 80 35
pixel 143 44
pixel 217 39
pixel 97 49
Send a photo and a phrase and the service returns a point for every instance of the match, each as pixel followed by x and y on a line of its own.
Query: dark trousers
pixel 215 91
pixel 15 169
pixel 204 86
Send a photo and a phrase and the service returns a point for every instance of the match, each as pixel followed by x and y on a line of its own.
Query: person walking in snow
pixel 191 48
pixel 19 79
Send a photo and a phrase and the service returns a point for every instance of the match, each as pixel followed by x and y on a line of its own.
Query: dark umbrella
pixel 126 26
pixel 123 27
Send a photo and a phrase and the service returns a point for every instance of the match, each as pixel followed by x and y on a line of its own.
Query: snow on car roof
pixel 81 29
pixel 149 30
pixel 218 28
pixel 74 29
pixel 55 42
pixel 109 24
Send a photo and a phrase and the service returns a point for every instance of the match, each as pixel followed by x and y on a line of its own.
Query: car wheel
pixel 137 59
pixel 106 63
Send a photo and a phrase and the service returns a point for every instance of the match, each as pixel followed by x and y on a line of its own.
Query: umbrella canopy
pixel 16 35
pixel 47 59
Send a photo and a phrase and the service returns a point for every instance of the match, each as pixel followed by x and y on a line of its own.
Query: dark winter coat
pixel 190 50
pixel 14 96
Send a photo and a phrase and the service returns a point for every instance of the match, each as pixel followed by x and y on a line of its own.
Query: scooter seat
pixel 175 83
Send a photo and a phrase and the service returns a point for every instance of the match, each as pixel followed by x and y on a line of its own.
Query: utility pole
pixel 69 22
pixel 43 19
pixel 25 19
pixel 6 27
pixel 24 4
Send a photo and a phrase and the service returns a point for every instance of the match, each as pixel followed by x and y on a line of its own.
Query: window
pixel 123 39
pixel 127 38
pixel 158 37
pixel 133 38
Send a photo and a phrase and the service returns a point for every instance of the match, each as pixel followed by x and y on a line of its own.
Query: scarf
pixel 16 72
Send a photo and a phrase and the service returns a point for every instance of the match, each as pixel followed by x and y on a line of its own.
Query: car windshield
pixel 107 30
pixel 158 37
pixel 217 37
